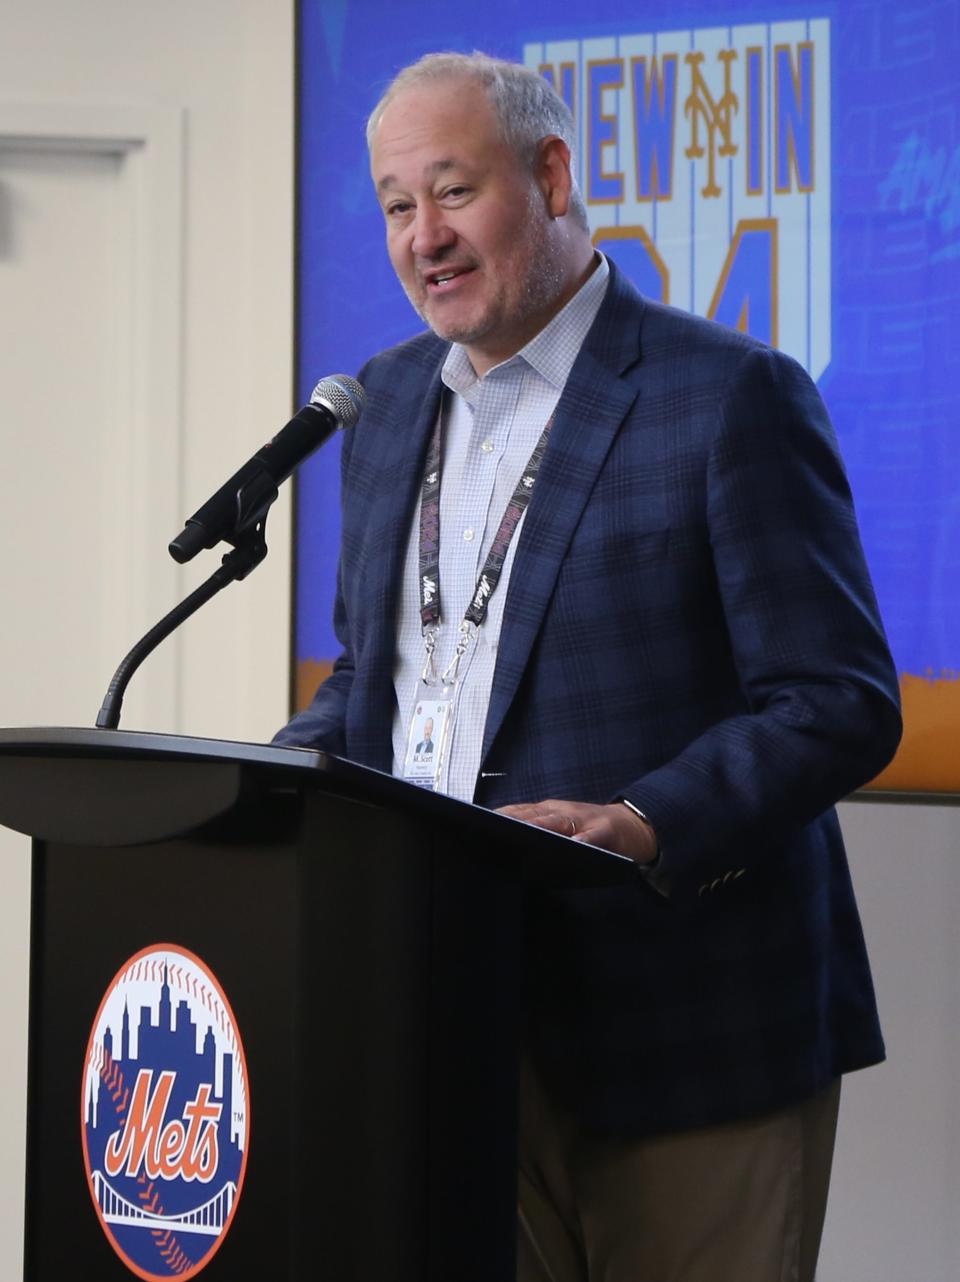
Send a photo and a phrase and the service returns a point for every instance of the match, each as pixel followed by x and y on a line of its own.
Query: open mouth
pixel 443 282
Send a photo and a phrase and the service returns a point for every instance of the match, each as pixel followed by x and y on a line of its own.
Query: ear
pixel 553 176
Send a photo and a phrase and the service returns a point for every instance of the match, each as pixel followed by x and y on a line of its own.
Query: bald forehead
pixel 421 106
pixel 434 170
pixel 438 87
pixel 443 124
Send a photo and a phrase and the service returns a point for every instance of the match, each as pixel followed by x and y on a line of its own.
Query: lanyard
pixel 476 611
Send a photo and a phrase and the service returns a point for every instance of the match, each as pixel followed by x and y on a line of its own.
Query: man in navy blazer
pixel 690 670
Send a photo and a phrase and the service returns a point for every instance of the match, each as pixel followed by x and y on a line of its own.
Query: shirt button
pixel 487 447
pixel 468 536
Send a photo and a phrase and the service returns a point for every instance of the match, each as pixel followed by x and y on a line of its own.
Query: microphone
pixel 238 505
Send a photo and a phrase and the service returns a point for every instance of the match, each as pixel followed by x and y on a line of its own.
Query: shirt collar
pixel 552 352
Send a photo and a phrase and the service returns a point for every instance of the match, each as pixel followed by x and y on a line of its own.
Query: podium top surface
pixel 119 787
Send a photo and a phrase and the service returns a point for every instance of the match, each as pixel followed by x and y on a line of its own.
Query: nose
pixel 432 234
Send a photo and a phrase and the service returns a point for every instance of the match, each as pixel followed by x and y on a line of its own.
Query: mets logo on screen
pixel 165 1114
pixel 705 165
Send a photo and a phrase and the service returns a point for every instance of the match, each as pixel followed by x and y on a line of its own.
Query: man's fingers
pixel 554 816
pixel 578 819
pixel 611 827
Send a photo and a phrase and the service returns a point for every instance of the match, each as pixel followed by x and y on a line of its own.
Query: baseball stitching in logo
pixel 165 1114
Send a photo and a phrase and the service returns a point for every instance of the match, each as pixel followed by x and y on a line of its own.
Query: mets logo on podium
pixel 165 1114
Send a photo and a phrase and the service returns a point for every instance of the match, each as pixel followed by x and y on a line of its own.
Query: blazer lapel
pixel 415 410
pixel 602 387
pixel 402 415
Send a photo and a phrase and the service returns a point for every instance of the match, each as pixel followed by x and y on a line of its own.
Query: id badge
pixel 428 736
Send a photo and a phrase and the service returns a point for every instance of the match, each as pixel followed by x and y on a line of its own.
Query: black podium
pixel 368 935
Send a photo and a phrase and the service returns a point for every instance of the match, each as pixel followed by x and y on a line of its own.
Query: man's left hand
pixel 613 827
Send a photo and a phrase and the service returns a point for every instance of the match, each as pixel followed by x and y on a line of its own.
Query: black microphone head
pixel 342 395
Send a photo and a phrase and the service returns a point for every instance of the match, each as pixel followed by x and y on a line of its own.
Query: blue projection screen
pixel 792 170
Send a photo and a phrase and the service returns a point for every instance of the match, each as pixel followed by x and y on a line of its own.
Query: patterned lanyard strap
pixel 476 611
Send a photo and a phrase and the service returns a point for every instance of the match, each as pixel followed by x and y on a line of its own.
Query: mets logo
pixel 705 166
pixel 165 1114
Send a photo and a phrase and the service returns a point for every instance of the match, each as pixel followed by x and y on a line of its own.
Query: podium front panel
pixel 373 982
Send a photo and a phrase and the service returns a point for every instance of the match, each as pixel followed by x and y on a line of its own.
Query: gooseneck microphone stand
pixel 237 514
pixel 250 550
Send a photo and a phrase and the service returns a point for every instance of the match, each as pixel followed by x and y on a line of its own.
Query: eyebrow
pixel 437 167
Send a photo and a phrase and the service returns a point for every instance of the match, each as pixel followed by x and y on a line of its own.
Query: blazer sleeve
pixel 821 714
pixel 323 724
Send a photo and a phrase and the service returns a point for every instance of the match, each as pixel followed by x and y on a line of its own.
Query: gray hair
pixel 526 107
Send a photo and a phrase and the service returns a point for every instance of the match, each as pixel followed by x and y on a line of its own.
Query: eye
pixel 395 208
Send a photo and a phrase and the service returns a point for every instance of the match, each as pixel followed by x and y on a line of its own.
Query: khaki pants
pixel 741 1202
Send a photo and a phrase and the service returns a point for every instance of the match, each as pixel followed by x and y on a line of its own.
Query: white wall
pixel 215 79
pixel 892 1215
pixel 146 222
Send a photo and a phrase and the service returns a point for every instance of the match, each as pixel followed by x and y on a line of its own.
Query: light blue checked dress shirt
pixel 490 428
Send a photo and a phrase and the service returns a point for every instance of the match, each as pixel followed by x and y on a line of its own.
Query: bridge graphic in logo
pixel 165 1114
pixel 704 160
pixel 210 1218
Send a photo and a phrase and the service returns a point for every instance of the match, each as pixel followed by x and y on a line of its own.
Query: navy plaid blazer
pixel 690 625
